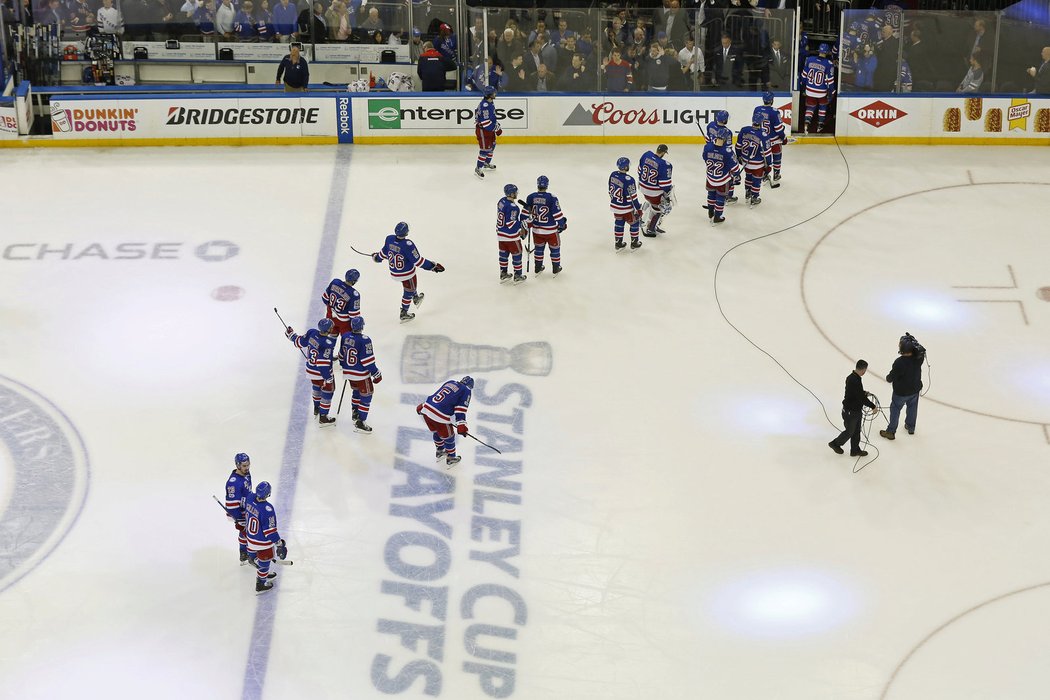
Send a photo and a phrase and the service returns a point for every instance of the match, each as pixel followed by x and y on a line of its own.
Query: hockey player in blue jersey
pixel 445 413
pixel 623 201
pixel 754 155
pixel 318 345
pixel 722 122
pixel 548 222
pixel 486 129
pixel 773 128
pixel 342 302
pixel 511 227
pixel 818 84
pixel 237 486
pixel 264 542
pixel 654 180
pixel 721 167
pixel 403 258
pixel 359 368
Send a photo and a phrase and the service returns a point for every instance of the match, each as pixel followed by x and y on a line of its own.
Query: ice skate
pixel 418 299
pixel 754 201
pixel 262 586
pixel 717 219
pixel 636 244
pixel 451 461
pixel 325 421
pixel 732 199
pixel 317 410
pixel 620 245
pixel 539 268
pixel 244 558
pixel 355 414
pixel 406 317
pixel 489 166
pixel 556 269
pixel 361 427
pixel 481 175
pixel 649 233
pixel 519 278
pixel 504 276
pixel 440 453
pixel 658 229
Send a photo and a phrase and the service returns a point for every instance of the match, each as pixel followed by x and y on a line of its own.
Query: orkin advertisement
pixel 558 116
pixel 945 118
pixel 181 118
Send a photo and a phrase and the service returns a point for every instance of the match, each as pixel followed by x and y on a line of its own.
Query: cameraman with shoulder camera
pixel 906 377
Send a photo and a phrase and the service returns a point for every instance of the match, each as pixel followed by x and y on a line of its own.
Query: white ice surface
pixel 684 530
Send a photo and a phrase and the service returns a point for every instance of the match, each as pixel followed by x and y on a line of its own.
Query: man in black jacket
pixel 853 404
pixel 906 376
pixel 431 69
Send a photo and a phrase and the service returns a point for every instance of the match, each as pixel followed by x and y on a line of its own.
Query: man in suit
pixel 728 65
pixel 886 68
pixel 1042 74
pixel 778 62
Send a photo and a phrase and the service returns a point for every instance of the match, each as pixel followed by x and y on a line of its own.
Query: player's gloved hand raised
pixel 377 377
pixel 419 408
pixel 289 332
pixel 462 429
pixel 438 267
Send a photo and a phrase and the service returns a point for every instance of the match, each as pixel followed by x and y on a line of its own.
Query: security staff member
pixel 295 71
pixel 853 404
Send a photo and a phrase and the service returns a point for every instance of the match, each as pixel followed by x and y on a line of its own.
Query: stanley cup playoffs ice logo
pixel 435 358
pixel 43 479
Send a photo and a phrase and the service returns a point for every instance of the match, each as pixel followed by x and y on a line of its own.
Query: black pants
pixel 850 419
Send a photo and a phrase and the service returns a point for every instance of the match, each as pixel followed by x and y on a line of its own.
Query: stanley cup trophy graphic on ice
pixel 435 358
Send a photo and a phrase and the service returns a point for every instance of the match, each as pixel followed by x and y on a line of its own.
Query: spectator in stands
pixel 661 39
pixel 886 65
pixel 615 34
pixel 431 68
pixel 415 47
pixel 508 45
pixel 541 28
pixel 778 76
pixel 224 18
pixel 974 77
pixel 566 50
pixel 264 26
pixel 318 26
pixel 54 16
pixel 163 19
pixel 640 41
pixel 447 44
pixel 136 15
pixel 353 10
pixel 1041 74
pixel 204 18
pixel 516 77
pixel 83 16
pixel 533 58
pixel 336 18
pixel 728 66
pixel 691 63
pixel 372 22
pixel 675 26
pixel 657 69
pixel 576 77
pixel 294 69
pixel 284 20
pixel 542 81
pixel 549 52
pixel 866 65
pixel 477 36
pixel 109 19
pixel 486 73
pixel 585 43
pixel 977 45
pixel 920 62
pixel 559 35
pixel 244 22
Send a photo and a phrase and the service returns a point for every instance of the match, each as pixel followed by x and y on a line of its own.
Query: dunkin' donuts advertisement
pixel 941 119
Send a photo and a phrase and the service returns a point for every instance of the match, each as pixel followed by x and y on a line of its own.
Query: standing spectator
pixel 576 77
pixel 415 47
pixel 318 25
pixel 557 36
pixel 533 59
pixel 284 20
pixel 136 19
pixel 728 65
pixel 1042 73
pixel 585 44
pixel 204 18
pixel 543 81
pixel 353 10
pixel 336 18
pixel 615 35
pixel 541 28
pixel 886 69
pixel 163 19
pixel 431 69
pixel 264 26
pixel 640 41
pixel 244 22
pixel 566 50
pixel 976 47
pixel 508 46
pixel 295 70
pixel 691 60
pixel 109 19
pixel 224 19
pixel 676 27
pixel 548 52
pixel 516 77
pixel 866 65
pixel 906 376
pixel 919 61
pixel 477 38
pixel 618 74
pixel 83 16
pixel 54 16
pixel 447 45
pixel 779 62
pixel 853 404
pixel 657 69
pixel 974 77
pixel 372 22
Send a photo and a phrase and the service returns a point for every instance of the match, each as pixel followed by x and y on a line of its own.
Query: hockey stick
pixel 359 252
pixel 286 562
pixel 485 444
pixel 286 326
pixel 341 395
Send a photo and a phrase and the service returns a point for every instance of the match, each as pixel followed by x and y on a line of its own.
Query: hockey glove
pixel 438 267
pixel 377 377
pixel 328 385
pixel 562 225
pixel 419 409
pixel 499 132
pixel 376 257
pixel 282 550
pixel 289 332
pixel 462 429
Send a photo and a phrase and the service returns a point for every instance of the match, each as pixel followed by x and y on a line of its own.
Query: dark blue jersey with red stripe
pixel 546 211
pixel 237 487
pixel 449 403
pixel 260 525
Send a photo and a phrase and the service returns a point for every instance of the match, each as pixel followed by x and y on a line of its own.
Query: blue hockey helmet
pixel 352 275
pixel 824 49
pixel 241 458
pixel 488 91
pixel 758 116
pixel 467 381
pixel 623 163
pixel 854 26
pixel 721 116
pixel 723 133
pixel 325 325
pixel 357 324
pixel 263 490
pixel 767 98
pixel 401 230
pixel 508 190
pixel 542 182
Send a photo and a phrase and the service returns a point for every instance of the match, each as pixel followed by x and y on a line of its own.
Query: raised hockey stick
pixel 286 326
pixel 359 252
pixel 485 444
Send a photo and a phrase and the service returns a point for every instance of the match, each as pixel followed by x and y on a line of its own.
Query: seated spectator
pixel 542 81
pixel 516 75
pixel 244 22
pixel 974 77
pixel 372 22
pixel 431 68
pixel 866 65
pixel 618 74
pixel 691 62
pixel 575 77
pixel 109 19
